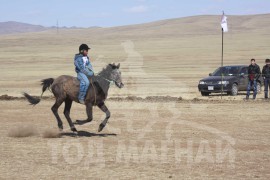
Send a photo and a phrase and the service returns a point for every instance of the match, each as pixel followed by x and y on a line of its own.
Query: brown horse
pixel 66 89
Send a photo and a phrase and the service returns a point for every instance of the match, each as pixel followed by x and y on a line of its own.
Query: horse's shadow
pixel 86 134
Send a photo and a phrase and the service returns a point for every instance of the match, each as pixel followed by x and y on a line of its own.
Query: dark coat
pixel 266 71
pixel 254 72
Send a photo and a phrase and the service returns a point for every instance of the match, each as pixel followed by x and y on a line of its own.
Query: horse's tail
pixel 46 84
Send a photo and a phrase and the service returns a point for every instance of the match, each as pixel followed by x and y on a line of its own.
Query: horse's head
pixel 115 75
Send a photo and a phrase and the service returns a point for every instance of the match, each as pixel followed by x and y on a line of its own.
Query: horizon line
pixel 70 27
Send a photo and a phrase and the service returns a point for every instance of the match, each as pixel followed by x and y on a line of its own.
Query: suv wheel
pixel 205 93
pixel 234 90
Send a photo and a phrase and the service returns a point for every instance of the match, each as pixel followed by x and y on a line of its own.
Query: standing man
pixel 266 77
pixel 254 73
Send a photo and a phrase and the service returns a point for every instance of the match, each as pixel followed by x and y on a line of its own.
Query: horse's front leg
pixel 104 108
pixel 89 112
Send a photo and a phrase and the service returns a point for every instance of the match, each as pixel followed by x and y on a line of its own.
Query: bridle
pixel 112 82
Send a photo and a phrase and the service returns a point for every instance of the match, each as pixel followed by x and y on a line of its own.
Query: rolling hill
pixel 12 27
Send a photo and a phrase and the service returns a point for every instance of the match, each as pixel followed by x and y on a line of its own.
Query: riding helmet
pixel 83 47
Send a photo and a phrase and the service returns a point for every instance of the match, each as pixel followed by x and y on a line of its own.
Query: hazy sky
pixel 86 13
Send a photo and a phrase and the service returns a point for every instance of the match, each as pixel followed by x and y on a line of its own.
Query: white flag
pixel 224 24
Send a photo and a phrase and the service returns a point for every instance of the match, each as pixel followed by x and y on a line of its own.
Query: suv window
pixel 227 71
pixel 244 70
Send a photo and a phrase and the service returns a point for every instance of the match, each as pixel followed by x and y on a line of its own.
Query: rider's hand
pixel 90 70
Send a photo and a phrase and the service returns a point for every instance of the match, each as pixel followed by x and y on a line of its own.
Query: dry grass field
pixel 194 138
pixel 139 142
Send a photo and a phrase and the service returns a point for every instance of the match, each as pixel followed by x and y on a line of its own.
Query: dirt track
pixel 142 140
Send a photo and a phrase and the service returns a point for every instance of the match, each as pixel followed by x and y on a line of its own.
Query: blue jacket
pixel 83 65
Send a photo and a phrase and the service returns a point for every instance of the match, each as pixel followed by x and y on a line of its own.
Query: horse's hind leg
pixel 55 112
pixel 68 104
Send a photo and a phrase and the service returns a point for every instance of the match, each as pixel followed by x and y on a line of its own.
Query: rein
pixel 94 91
pixel 112 82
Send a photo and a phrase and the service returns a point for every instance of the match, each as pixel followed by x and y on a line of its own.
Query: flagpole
pixel 224 28
pixel 222 47
pixel 222 62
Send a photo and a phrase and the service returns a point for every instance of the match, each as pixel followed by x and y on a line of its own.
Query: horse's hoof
pixel 101 126
pixel 76 134
pixel 74 129
pixel 60 128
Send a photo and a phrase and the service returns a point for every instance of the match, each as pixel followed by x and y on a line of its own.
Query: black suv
pixel 235 79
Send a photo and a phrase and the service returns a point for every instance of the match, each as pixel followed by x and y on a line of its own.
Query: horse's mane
pixel 105 72
pixel 101 79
